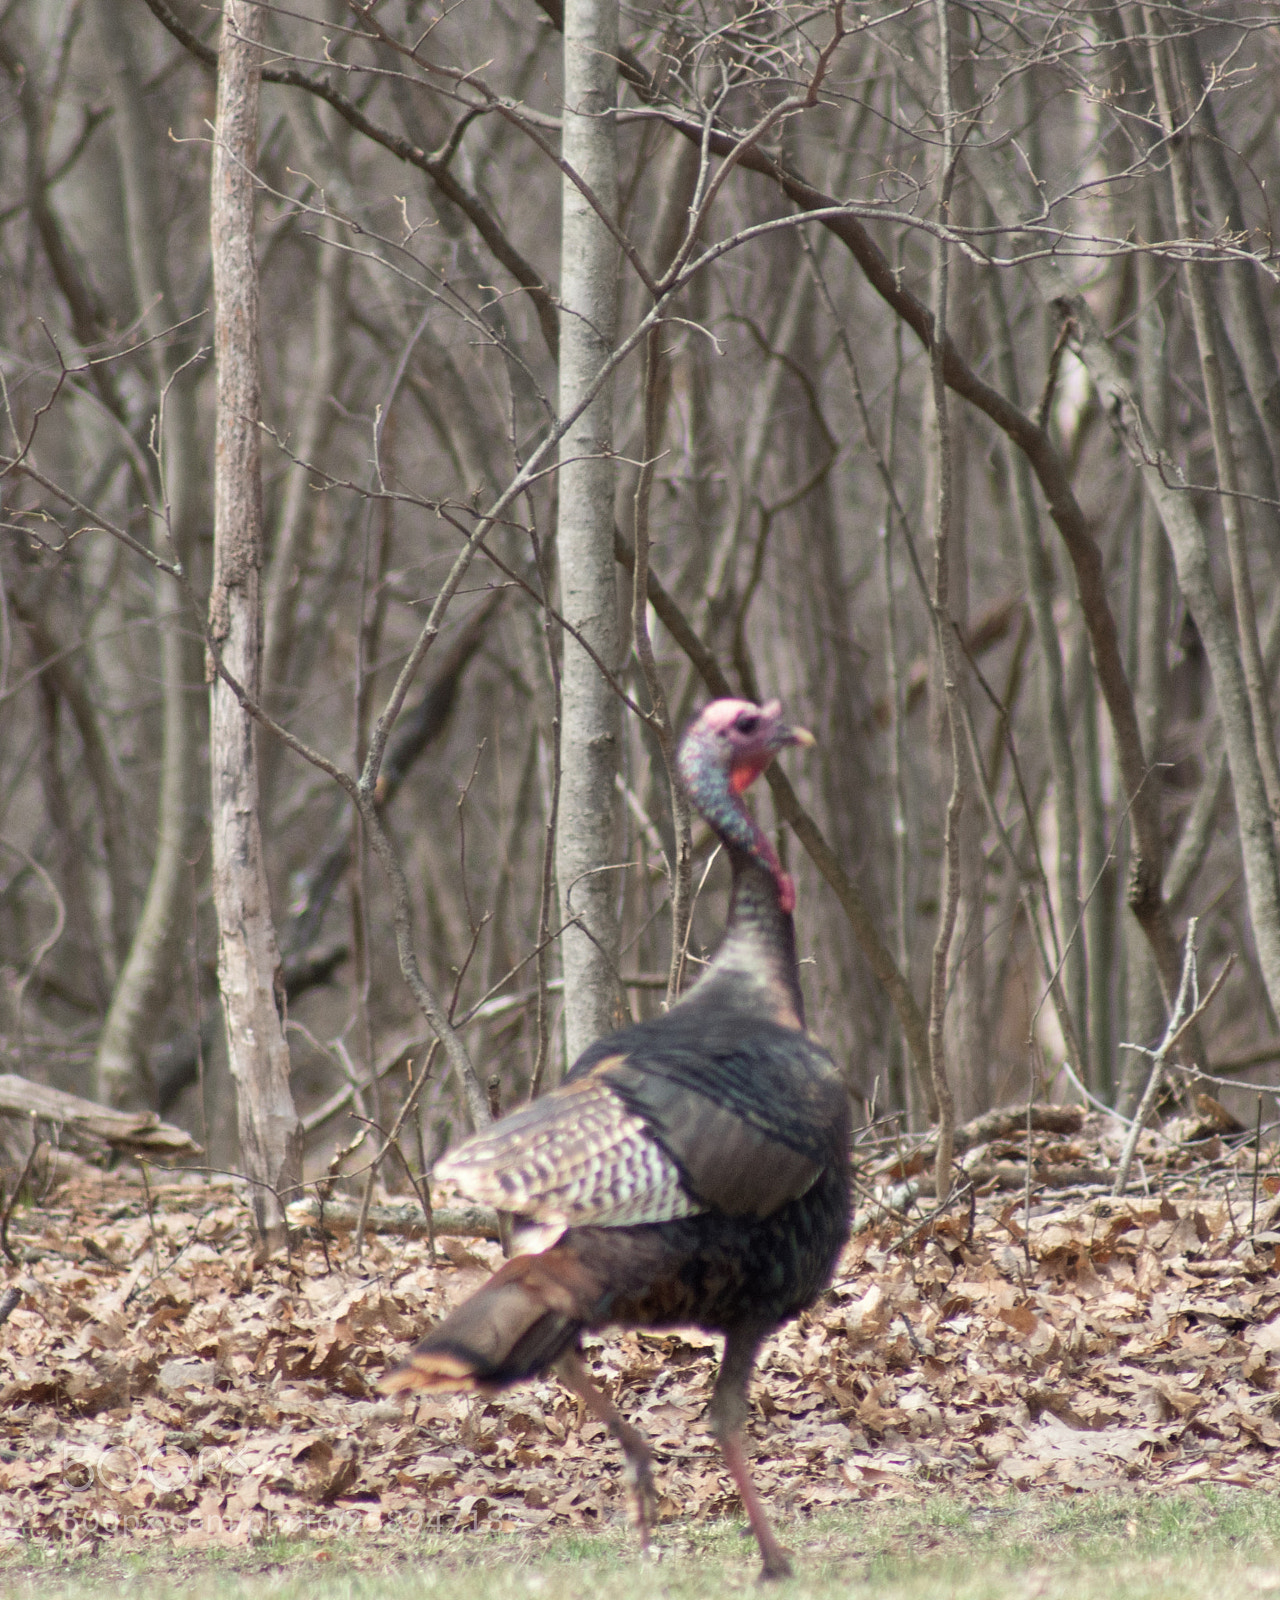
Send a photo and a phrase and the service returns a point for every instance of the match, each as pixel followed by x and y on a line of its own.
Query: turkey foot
pixel 774 1562
pixel 642 1497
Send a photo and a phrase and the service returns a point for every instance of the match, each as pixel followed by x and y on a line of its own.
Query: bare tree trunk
pixel 69 859
pixel 292 542
pixel 1145 1013
pixel 72 683
pixel 1098 924
pixel 1192 562
pixel 1254 462
pixel 963 1041
pixel 589 733
pixel 1246 313
pixel 1173 111
pixel 1040 590
pixel 902 1079
pixel 248 956
pixel 120 1066
pixel 1006 188
pixel 794 313
pixel 948 649
pixel 848 779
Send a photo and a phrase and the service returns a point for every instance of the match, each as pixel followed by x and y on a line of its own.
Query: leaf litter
pixel 160 1379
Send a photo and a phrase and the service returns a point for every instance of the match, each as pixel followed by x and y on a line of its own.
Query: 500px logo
pixel 119 1468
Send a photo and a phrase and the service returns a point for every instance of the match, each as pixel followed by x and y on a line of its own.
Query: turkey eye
pixel 747 722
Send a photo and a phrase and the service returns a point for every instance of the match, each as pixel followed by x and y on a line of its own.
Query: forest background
pixel 914 363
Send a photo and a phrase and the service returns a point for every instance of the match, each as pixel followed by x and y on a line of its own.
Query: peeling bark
pixel 248 954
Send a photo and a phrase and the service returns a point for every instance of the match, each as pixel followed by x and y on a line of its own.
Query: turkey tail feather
pixel 513 1327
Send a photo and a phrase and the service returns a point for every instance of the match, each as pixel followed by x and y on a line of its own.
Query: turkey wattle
pixel 689 1170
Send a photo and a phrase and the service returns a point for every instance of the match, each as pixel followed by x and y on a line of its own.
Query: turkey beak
pixel 800 736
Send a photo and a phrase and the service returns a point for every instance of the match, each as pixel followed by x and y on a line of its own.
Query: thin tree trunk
pixel 1246 313
pixel 963 1044
pixel 69 860
pixel 292 542
pixel 1098 921
pixel 902 1078
pixel 1194 567
pixel 950 890
pixel 893 976
pixel 1258 483
pixel 680 867
pixel 1195 275
pixel 968 1052
pixel 73 686
pixel 1006 190
pixel 120 1065
pixel 1040 590
pixel 855 823
pixel 793 314
pixel 1145 1014
pixel 590 726
pixel 248 955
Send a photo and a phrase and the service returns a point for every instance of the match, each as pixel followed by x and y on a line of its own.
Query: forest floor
pixel 1042 1358
pixel 1199 1543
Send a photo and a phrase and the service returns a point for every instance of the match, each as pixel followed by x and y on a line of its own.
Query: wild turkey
pixel 689 1170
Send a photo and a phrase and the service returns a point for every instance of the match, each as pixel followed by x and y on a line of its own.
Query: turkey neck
pixel 755 967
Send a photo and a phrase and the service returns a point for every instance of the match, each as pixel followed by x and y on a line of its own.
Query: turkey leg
pixel 642 1497
pixel 728 1413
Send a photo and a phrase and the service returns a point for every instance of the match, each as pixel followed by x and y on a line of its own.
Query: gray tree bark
pixel 948 650
pixel 1001 174
pixel 120 1066
pixel 248 955
pixel 1173 111
pixel 1246 313
pixel 1098 927
pixel 1189 542
pixel 1041 585
pixel 292 542
pixel 1145 1013
pixel 589 733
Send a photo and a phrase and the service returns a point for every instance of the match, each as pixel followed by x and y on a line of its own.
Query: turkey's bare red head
pixel 724 750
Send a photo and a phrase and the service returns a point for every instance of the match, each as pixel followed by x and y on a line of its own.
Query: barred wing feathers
pixel 750 1110
pixel 576 1158
pixel 737 1120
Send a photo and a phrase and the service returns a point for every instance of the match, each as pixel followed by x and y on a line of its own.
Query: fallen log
pixel 914 1181
pixel 1008 1123
pixel 1013 1175
pixel 407 1219
pixel 132 1132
